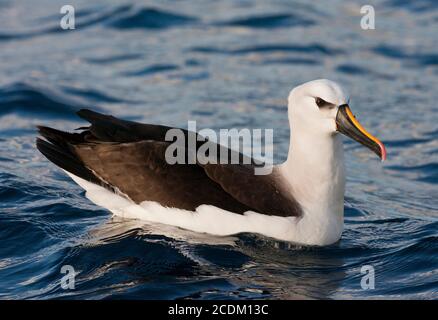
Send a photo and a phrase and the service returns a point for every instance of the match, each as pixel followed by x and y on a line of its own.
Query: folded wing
pixel 129 158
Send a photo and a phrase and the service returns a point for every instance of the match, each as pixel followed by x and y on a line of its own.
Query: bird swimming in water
pixel 122 166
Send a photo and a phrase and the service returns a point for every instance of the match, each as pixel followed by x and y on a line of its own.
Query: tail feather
pixel 59 146
pixel 93 116
pixel 65 160
pixel 59 137
pixel 108 128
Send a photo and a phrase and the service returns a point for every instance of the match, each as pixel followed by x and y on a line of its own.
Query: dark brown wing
pixel 130 157
pixel 140 171
pixel 267 194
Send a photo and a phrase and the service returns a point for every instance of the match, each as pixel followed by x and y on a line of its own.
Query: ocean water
pixel 227 64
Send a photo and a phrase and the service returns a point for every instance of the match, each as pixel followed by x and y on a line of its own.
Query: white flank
pixel 210 219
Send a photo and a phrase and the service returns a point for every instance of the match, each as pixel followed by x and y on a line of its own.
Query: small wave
pixel 432 133
pixel 114 58
pixel 126 262
pixel 157 68
pixel 270 21
pixel 14 36
pixel 14 189
pixel 222 256
pixel 425 167
pixel 406 142
pixel 92 95
pixel 11 194
pixel 389 220
pixel 28 99
pixel 79 14
pixel 292 61
pixel 13 231
pixel 415 6
pixel 425 173
pixel 194 62
pixel 120 17
pixel 98 18
pixel 91 17
pixel 414 59
pixel 425 246
pixel 309 49
pixel 191 76
pixel 351 69
pixel 355 70
pixel 149 18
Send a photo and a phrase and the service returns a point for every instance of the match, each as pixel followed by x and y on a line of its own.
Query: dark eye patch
pixel 321 103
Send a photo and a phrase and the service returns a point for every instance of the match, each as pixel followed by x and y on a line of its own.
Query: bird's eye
pixel 320 102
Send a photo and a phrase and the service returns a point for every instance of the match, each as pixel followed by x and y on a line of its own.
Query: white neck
pixel 315 173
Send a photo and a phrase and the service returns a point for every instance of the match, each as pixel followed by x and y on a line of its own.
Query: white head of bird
pixel 318 113
pixel 313 106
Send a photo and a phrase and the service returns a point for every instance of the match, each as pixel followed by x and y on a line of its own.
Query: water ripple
pixel 149 70
pixel 412 59
pixel 149 18
pixel 270 21
pixel 30 100
pixel 268 48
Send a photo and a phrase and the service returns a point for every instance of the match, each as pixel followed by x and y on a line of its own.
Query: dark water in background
pixel 227 64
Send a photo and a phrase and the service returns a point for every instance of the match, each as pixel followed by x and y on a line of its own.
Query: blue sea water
pixel 225 64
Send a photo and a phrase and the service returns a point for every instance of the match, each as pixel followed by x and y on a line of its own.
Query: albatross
pixel 122 167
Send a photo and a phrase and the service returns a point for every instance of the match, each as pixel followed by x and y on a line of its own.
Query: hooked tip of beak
pixel 347 124
pixel 382 151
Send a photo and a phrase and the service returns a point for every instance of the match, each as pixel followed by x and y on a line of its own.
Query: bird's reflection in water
pixel 253 264
pixel 289 271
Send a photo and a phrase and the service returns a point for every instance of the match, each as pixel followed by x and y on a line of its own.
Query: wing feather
pixel 130 157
